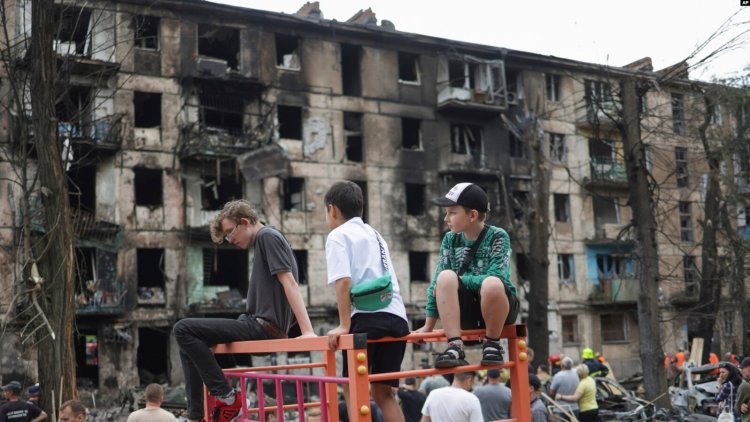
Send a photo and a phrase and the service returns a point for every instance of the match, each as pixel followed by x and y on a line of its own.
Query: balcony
pixel 101 137
pixel 98 289
pixel 606 172
pixel 88 231
pixel 208 142
pixel 615 290
pixel 474 86
pixel 688 297
pixel 600 115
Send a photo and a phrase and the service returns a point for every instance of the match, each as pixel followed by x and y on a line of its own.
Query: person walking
pixel 154 396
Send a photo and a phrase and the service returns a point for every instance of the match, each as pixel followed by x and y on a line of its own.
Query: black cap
pixel 493 373
pixel 13 386
pixel 468 195
pixel 410 381
pixel 534 382
pixel 745 363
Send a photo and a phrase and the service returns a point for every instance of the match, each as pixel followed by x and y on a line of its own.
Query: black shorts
pixel 471 311
pixel 381 357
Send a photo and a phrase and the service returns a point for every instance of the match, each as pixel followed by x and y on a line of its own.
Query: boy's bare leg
pixel 383 395
pixel 446 296
pixel 495 305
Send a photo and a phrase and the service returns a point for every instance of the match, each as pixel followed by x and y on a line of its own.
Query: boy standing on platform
pixel 473 271
pixel 357 256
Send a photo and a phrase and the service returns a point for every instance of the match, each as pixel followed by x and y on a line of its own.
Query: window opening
pixel 557 147
pixel 690 275
pixel 353 133
pixel 226 267
pixel 466 139
pixel 678 114
pixel 220 43
pixel 562 208
pixel 153 356
pixel 147 109
pixel 552 85
pixel 681 167
pixel 294 194
pixel 566 269
pixel 686 221
pixel 290 122
pixel 570 329
pixel 351 56
pixel 146 32
pixel 517 147
pixel 520 204
pixel 408 67
pixel 606 210
pixel 415 203
pixel 148 187
pixel 418 271
pixel 73 30
pixel 82 188
pixel 223 112
pixel 611 266
pixel 598 95
pixel 614 327
pixel 150 267
pixel 215 193
pixel 411 134
pixel 301 256
pixel 287 51
pixel 87 358
pixel 72 111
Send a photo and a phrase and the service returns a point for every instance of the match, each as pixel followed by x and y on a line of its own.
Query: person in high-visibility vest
pixel 596 368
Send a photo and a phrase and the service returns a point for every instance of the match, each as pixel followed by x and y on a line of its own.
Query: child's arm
pixel 294 297
pixel 343 285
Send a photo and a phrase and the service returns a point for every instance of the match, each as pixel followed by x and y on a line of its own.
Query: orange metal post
pixel 331 389
pixel 359 384
pixel 519 375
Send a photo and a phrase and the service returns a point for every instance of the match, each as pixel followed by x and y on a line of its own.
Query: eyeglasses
pixel 230 236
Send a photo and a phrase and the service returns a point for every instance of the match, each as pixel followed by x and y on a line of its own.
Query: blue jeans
pixel 195 337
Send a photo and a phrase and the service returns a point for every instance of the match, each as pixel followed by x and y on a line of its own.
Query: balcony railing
pixel 616 290
pixel 608 171
pixel 90 230
pixel 103 132
pixel 216 142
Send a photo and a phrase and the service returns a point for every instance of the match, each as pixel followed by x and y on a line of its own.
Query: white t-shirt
pixel 352 251
pixel 452 404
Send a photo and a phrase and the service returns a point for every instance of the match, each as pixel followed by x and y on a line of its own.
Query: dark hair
pixel 75 406
pixel 463 376
pixel 154 393
pixel 347 197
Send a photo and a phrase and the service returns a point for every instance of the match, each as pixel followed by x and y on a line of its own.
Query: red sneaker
pixel 227 413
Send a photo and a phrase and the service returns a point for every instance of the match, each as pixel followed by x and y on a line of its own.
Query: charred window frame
pixel 598 95
pixel 418 267
pixel 217 192
pixel 562 208
pixel 148 187
pixel 146 32
pixel 82 188
pixel 606 210
pixel 72 26
pixel 220 43
pixel 351 72
pixel 517 147
pixel 150 267
pixel 408 68
pixel 552 87
pixel 146 109
pixel 287 52
pixel 681 167
pixel 354 137
pixel 566 269
pixel 226 267
pixel 415 199
pixel 290 122
pixel 570 329
pixel 466 139
pixel 73 110
pixel 411 134
pixel 686 221
pixel 152 356
pixel 222 112
pixel 294 194
pixel 678 114
pixel 614 328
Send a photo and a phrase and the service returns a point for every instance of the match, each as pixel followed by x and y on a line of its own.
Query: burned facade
pixel 175 107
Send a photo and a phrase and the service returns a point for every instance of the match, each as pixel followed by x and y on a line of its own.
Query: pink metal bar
pixel 261 402
pixel 323 399
pixel 279 400
pixel 300 401
pixel 243 392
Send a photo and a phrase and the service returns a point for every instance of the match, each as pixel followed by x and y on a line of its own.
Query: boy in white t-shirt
pixel 355 254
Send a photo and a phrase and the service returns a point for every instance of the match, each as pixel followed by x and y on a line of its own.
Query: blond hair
pixel 234 211
pixel 582 370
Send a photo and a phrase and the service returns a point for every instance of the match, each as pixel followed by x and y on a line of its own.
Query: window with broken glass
pixel 678 114
pixel 519 204
pixel 570 329
pixel 294 194
pixel 222 112
pixel 411 134
pixel 517 147
pixel 354 138
pixel 287 52
pixel 566 269
pixel 611 266
pixel 221 44
pixel 606 210
pixel 552 87
pixel 146 32
pixel 217 192
pixel 686 221
pixel 466 139
pixel 408 68
pixel 562 208
pixel 614 328
pixel 598 96
pixel 690 275
pixel 73 30
pixel 557 147
pixel 290 122
pixel 681 167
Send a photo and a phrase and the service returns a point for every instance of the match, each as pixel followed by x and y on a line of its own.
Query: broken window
pixel 301 256
pixel 148 187
pixel 522 266
pixel 287 51
pixel 566 268
pixel 147 109
pixel 294 194
pixel 681 167
pixel 290 122
pixel 220 43
pixel 678 114
pixel 552 87
pixel 223 112
pixel 72 111
pixel 466 139
pixel 461 74
pixel 82 188
pixel 418 268
pixel 150 267
pixel 153 355
pixel 606 210
pixel 215 193
pixel 408 67
pixel 351 56
pixel 598 95
pixel 517 147
pixel 601 151
pixel 562 208
pixel 570 329
pixel 716 116
pixel 146 32
pixel 610 266
pixel 686 221
pixel 557 147
pixel 415 199
pixel 226 267
pixel 363 187
pixel 520 203
pixel 353 133
pixel 87 358
pixel 411 133
pixel 690 275
pixel 72 26
pixel 614 327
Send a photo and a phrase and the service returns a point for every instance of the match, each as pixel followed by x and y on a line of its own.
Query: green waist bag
pixel 373 295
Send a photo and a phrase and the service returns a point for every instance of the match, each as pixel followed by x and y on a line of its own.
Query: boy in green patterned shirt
pixel 486 276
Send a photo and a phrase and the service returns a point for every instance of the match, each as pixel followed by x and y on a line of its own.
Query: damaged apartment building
pixel 174 107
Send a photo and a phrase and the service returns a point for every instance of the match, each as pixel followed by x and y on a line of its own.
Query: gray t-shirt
pixel 265 295
pixel 565 383
pixel 495 400
pixel 151 415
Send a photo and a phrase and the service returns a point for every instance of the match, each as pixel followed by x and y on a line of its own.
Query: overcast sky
pixel 596 31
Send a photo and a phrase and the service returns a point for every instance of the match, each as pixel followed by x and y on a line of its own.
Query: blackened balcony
pixel 607 172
